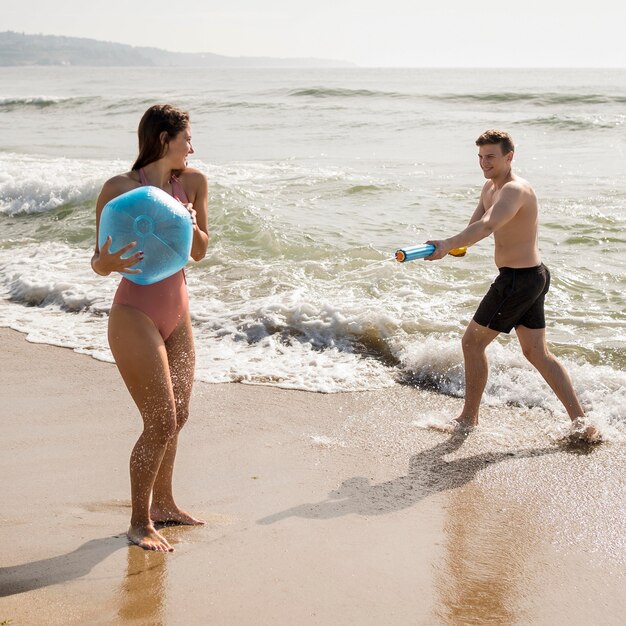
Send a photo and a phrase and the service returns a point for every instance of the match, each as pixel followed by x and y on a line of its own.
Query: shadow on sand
pixel 428 473
pixel 58 569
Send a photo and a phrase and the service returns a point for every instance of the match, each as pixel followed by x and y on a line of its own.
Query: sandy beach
pixel 320 509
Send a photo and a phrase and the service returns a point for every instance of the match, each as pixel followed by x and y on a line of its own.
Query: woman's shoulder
pixel 119 184
pixel 193 179
pixel 192 174
pixel 124 182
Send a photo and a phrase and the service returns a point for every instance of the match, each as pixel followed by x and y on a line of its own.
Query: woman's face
pixel 179 148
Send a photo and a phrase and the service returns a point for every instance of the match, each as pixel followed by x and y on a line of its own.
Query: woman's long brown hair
pixel 156 120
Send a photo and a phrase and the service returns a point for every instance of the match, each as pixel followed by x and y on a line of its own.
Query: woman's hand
pixel 192 212
pixel 105 262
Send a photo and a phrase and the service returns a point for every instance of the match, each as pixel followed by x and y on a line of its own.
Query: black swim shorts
pixel 514 299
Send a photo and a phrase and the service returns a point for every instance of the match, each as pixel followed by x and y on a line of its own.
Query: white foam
pixel 291 340
pixel 50 293
pixel 38 101
pixel 30 184
pixel 512 380
pixel 313 335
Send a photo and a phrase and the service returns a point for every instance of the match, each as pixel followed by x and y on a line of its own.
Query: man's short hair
pixel 499 137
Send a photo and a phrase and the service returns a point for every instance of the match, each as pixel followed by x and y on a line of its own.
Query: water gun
pixel 419 252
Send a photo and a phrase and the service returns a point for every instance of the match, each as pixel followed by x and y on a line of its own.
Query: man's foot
pixel 148 538
pixel 173 515
pixel 584 432
pixel 458 426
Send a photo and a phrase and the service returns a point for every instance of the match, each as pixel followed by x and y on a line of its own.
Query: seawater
pixel 316 177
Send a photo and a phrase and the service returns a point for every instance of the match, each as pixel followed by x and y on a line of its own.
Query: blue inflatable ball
pixel 159 224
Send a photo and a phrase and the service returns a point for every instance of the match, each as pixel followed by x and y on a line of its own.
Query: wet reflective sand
pixel 321 510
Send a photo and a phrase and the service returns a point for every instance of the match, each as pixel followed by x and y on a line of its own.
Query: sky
pixel 396 33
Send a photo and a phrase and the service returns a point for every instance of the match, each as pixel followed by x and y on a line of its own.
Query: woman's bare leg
pixel 141 358
pixel 181 358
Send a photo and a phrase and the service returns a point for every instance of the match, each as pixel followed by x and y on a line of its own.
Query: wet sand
pixel 321 509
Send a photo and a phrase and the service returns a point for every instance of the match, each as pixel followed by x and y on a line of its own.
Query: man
pixel 508 209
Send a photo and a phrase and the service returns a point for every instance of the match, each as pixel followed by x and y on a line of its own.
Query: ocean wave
pixel 541 99
pixel 365 189
pixel 436 363
pixel 241 104
pixel 575 123
pixel 44 102
pixel 131 105
pixel 30 291
pixel 289 361
pixel 294 331
pixel 339 92
pixel 50 275
pixel 31 185
pixel 538 98
pixel 265 206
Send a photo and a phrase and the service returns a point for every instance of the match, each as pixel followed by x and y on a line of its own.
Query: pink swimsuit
pixel 165 302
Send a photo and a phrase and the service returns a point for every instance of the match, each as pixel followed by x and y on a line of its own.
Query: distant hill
pixel 22 49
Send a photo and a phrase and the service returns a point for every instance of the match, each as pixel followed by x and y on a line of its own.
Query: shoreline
pixel 321 508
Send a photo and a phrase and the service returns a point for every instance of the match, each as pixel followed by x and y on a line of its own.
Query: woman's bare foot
pixel 173 515
pixel 146 537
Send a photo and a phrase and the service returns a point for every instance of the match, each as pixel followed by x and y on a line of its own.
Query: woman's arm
pixel 199 195
pixel 102 261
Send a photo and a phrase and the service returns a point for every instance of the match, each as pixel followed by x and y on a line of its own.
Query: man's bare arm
pixel 479 211
pixel 505 209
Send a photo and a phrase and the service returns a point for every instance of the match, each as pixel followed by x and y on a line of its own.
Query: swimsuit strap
pixel 178 191
pixel 142 177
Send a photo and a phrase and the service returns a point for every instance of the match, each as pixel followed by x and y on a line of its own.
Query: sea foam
pixel 31 184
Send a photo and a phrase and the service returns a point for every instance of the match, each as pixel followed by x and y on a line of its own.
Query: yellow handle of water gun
pixel 458 251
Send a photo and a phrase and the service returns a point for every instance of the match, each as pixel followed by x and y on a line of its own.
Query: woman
pixel 149 325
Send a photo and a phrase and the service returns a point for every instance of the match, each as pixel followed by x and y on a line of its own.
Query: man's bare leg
pixel 474 343
pixel 535 349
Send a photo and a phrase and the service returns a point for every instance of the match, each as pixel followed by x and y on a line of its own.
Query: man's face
pixel 492 161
